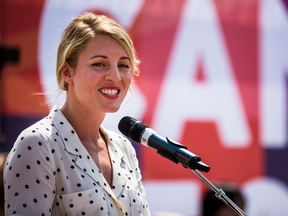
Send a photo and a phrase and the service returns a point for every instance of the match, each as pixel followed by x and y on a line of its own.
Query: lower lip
pixel 111 96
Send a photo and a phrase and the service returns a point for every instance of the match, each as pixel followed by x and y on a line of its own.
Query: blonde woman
pixel 67 163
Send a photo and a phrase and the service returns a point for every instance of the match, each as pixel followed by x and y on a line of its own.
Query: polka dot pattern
pixel 49 172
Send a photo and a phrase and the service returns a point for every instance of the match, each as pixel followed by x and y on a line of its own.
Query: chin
pixel 112 109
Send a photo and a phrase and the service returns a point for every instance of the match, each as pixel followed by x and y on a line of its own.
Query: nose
pixel 113 74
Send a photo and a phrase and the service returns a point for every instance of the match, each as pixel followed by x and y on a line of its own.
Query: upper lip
pixel 110 87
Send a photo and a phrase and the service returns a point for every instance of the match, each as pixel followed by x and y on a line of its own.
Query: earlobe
pixel 67 73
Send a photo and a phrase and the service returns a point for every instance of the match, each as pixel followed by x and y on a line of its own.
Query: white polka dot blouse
pixel 49 172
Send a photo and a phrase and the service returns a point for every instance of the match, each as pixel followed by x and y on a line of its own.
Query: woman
pixel 67 163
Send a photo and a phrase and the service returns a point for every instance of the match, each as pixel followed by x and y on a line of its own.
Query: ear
pixel 67 73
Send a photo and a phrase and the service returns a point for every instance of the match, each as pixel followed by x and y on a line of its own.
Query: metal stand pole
pixel 220 194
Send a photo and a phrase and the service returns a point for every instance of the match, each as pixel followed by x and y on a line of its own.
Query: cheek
pixel 127 78
pixel 85 85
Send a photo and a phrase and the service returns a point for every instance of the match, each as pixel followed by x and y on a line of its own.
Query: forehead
pixel 104 45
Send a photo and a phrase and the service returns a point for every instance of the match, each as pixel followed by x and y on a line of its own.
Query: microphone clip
pixel 183 156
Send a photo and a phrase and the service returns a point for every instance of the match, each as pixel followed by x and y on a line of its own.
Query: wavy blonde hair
pixel 77 34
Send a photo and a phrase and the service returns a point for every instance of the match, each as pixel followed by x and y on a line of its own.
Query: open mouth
pixel 110 92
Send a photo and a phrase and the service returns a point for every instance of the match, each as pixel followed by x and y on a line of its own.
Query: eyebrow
pixel 125 57
pixel 99 56
pixel 105 57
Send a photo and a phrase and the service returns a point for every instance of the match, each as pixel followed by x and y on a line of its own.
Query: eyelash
pixel 98 64
pixel 125 66
pixel 101 65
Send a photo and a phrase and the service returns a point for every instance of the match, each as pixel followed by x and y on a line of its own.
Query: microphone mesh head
pixel 125 124
pixel 131 128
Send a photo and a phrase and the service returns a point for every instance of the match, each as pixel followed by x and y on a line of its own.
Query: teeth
pixel 110 92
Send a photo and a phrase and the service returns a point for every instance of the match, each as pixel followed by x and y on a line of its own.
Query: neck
pixel 85 122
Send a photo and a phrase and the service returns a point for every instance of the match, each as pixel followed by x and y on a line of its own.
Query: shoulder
pixel 37 134
pixel 32 147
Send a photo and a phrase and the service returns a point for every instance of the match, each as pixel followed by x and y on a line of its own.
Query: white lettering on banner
pixel 274 71
pixel 57 14
pixel 217 99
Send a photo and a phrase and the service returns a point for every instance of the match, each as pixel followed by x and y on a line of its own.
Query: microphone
pixel 139 132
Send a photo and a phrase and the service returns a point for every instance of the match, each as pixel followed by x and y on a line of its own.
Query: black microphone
pixel 168 148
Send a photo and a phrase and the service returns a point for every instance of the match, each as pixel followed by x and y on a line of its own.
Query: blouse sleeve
pixel 29 176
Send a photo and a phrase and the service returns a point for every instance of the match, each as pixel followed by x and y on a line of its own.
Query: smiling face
pixel 102 76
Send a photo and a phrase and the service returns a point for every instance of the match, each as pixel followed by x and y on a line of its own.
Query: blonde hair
pixel 77 34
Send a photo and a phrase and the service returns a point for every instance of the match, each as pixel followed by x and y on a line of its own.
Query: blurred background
pixel 213 77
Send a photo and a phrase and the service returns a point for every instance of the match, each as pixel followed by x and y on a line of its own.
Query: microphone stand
pixel 179 153
pixel 219 193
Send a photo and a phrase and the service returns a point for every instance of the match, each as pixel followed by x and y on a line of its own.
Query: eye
pixel 123 66
pixel 98 64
